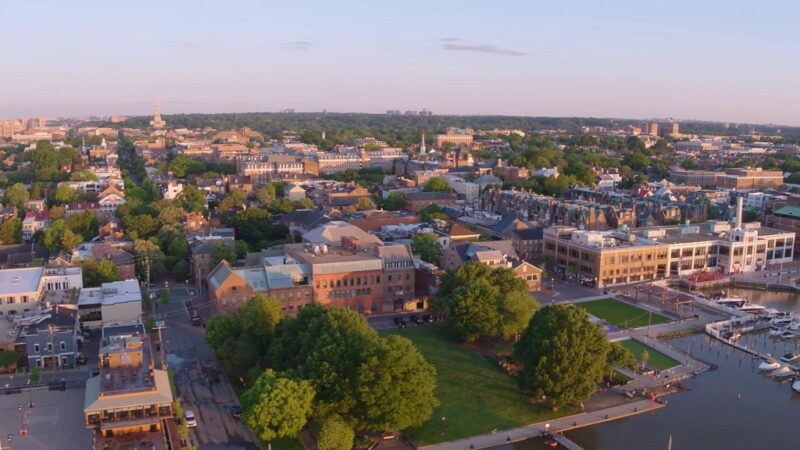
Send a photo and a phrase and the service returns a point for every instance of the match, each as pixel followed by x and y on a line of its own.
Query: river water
pixel 733 407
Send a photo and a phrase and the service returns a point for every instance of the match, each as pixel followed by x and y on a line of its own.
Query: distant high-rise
pixel 652 129
pixel 157 121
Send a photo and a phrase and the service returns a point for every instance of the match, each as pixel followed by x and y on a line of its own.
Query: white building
pixel 117 302
pixel 547 172
pixel 471 191
pixel 22 289
pixel 172 190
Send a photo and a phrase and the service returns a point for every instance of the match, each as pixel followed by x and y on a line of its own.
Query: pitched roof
pixel 219 274
pixel 791 211
pixel 333 232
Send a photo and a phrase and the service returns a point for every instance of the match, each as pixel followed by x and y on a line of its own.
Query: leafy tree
pixel 11 232
pixel 181 270
pixel 234 199
pixel 82 175
pixel 95 273
pixel 472 310
pixel 363 204
pixel 17 196
pixel 220 251
pixel 516 311
pixel 85 224
pixel 394 201
pixel 335 434
pixel 432 212
pixel 192 199
pixel 277 407
pixel 304 203
pixel 254 226
pixel 396 386
pixel 259 317
pixel 140 226
pixel 427 247
pixel 563 355
pixel 64 194
pixel 636 161
pixel 436 184
pixel 619 356
pixel 281 206
pixel 644 357
pixel 219 329
pixel 179 247
pixel 266 194
pixel 171 214
pixel 145 250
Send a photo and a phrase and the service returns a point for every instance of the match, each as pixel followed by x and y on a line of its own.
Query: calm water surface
pixel 733 407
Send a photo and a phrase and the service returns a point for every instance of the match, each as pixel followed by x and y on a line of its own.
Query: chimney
pixel 739 205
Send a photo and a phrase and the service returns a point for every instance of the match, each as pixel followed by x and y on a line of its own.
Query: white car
pixel 191 421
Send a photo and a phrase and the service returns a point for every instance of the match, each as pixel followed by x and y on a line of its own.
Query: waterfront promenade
pixel 561 425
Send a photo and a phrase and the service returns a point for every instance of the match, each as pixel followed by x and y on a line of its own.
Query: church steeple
pixel 422 150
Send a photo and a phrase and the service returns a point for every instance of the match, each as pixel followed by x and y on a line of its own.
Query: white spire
pixel 422 145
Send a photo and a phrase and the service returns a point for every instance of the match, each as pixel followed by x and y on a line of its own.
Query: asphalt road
pixel 200 382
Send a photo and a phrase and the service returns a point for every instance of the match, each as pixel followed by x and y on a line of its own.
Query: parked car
pixel 191 421
pixel 81 359
pixel 400 322
pixel 236 412
pixel 427 318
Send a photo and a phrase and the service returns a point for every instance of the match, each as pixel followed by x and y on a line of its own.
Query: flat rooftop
pixel 19 281
pixel 111 293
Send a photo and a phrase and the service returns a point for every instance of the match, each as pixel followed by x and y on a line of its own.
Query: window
pixel 36 348
pixel 63 346
pixel 50 347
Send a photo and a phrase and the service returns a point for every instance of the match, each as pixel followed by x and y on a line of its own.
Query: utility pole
pixel 160 324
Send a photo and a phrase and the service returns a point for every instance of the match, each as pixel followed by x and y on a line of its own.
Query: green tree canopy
pixel 394 201
pixel 335 434
pixel 563 355
pixel 427 247
pixel 436 184
pixel 277 407
pixel 16 195
pixel 11 232
pixel 95 273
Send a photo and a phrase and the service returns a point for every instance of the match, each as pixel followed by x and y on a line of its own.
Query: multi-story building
pixel 452 138
pixel 702 178
pixel 21 289
pixel 417 201
pixel 129 395
pixel 623 256
pixel 263 168
pixel 787 219
pixel 495 254
pixel 330 162
pixel 229 287
pixel 114 302
pixel 49 339
pixel 33 222
pixel 750 179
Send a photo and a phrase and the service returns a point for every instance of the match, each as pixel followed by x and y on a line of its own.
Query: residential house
pixel 49 339
pixel 33 222
pixel 294 192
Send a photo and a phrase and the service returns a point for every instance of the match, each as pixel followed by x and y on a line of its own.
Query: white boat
pixel 769 365
pixel 752 308
pixel 732 302
pixel 794 326
pixel 788 335
pixel 790 357
pixel 783 372
pixel 796 385
pixel 781 321
pixel 775 331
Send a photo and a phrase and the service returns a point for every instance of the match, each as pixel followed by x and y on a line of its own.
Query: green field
pixel 657 360
pixel 621 315
pixel 475 395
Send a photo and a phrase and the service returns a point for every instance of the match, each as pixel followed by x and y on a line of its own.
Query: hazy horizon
pixel 710 61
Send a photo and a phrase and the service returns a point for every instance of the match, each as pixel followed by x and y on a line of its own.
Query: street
pixel 198 376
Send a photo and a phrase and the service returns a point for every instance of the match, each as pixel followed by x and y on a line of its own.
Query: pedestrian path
pixel 552 426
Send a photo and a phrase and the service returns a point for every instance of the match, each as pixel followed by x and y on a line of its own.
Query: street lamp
pixel 30 397
pixel 444 419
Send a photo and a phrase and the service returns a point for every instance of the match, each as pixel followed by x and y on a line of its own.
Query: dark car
pixel 82 359
pixel 236 412
pixel 401 323
pixel 427 318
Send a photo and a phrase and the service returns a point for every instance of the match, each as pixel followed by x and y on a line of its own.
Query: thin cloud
pixel 460 45
pixel 299 45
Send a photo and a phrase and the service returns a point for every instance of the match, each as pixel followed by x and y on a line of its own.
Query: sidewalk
pixel 46 376
pixel 554 426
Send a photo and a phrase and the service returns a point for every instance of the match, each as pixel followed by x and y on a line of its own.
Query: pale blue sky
pixel 717 60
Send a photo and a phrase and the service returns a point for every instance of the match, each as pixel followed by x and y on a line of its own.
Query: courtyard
pixel 55 421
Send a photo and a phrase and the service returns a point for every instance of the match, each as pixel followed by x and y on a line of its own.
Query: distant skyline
pixel 727 61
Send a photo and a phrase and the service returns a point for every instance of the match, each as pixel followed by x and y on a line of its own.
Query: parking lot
pixel 55 421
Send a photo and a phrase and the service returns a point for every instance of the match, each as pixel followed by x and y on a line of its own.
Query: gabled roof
pixel 332 233
pixel 219 274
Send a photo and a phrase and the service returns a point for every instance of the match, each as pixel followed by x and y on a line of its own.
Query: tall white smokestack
pixel 739 206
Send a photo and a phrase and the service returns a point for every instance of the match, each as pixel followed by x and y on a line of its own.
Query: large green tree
pixel 277 407
pixel 427 246
pixel 95 273
pixel 395 386
pixel 16 195
pixel 394 201
pixel 436 184
pixel 11 232
pixel 563 355
pixel 335 434
pixel 481 301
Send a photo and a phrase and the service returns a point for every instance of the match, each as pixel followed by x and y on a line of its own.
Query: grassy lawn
pixel 476 396
pixel 621 315
pixel 657 360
